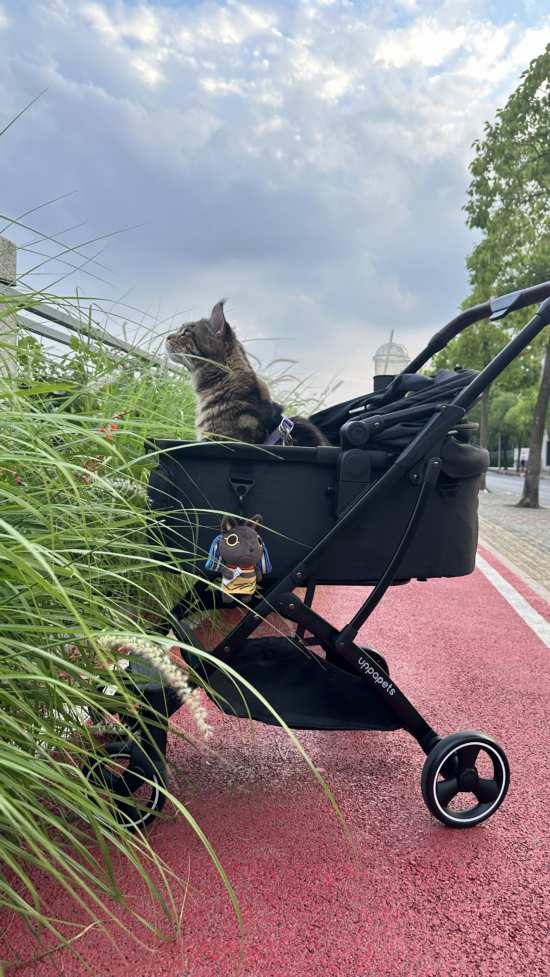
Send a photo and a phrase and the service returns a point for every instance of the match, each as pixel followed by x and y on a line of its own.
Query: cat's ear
pixel 217 318
pixel 228 524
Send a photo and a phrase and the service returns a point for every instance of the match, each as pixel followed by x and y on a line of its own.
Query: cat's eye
pixel 232 539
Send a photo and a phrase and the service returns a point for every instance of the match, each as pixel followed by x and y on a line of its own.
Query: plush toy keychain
pixel 240 555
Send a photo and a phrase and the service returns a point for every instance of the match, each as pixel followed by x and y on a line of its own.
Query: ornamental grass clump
pixel 82 579
pixel 75 556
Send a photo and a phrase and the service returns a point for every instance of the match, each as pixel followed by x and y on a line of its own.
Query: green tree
pixel 511 414
pixel 508 201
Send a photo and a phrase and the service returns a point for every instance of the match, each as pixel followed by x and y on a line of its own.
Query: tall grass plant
pixel 80 575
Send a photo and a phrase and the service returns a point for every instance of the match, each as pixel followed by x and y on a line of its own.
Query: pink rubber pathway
pixel 400 895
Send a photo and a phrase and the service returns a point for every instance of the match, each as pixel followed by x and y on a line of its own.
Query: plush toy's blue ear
pixel 265 563
pixel 213 562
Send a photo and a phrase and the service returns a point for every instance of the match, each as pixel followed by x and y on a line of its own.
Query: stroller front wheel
pixel 465 779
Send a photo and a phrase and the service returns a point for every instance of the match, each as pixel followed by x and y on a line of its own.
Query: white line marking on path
pixel 519 572
pixel 532 618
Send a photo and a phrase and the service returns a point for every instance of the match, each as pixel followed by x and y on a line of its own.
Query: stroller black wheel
pixel 465 779
pixel 132 790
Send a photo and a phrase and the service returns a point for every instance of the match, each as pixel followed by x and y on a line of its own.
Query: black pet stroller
pixel 393 498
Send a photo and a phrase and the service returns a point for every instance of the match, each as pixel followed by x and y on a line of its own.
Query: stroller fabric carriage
pixel 392 498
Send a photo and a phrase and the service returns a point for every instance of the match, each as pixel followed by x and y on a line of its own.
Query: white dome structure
pixel 390 359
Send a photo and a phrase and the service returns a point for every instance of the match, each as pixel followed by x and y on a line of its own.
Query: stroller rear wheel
pixel 465 779
pixel 132 788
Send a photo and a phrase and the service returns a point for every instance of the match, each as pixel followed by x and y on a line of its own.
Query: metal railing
pixel 32 315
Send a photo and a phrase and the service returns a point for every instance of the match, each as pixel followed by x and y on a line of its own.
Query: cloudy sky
pixel 307 159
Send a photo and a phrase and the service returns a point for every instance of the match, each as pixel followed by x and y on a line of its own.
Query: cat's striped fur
pixel 233 401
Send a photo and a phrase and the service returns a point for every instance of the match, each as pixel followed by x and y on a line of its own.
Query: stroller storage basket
pixel 300 493
pixel 308 692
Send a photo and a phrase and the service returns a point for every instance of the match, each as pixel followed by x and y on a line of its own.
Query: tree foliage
pixel 509 189
pixel 508 202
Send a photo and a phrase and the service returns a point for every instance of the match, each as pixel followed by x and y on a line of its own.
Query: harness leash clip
pixel 285 429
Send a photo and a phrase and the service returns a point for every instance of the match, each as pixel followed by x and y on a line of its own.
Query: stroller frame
pixel 450 765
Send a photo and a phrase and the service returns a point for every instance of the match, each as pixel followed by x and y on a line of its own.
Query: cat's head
pixel 206 339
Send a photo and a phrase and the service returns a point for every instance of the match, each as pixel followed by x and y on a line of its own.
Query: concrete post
pixel 8 323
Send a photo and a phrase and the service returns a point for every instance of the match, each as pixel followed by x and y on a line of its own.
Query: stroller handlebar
pixel 447 417
pixel 468 395
pixel 495 308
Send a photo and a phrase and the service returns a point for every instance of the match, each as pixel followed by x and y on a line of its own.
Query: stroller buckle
pixel 242 482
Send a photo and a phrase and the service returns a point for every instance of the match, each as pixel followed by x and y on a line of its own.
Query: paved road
pixel 398 895
pixel 511 485
pixel 521 535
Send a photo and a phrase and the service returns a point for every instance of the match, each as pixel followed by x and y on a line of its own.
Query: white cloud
pixel 426 42
pixel 231 25
pixel 126 29
pixel 99 19
pixel 530 43
pixel 149 72
pixel 218 86
pixel 137 24
pixel 336 86
pixel 4 20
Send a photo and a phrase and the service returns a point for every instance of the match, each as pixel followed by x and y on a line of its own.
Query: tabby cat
pixel 233 401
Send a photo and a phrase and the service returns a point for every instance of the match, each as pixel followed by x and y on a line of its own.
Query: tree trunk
pixel 530 496
pixel 484 430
